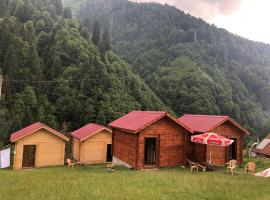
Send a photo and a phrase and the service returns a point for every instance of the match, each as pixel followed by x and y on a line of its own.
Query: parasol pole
pixel 210 161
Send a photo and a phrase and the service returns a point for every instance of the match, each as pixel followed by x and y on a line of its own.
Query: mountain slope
pixel 54 73
pixel 192 66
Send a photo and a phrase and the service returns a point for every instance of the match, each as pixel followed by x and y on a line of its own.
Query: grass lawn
pixel 93 182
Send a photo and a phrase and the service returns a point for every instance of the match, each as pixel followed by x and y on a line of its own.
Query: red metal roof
pixel 138 120
pixel 206 123
pixel 88 131
pixel 33 128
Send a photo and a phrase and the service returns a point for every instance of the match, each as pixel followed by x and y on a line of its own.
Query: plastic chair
pixel 192 166
pixel 231 166
pixel 250 167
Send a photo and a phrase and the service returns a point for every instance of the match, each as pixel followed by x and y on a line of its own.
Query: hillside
pixel 192 66
pixel 55 74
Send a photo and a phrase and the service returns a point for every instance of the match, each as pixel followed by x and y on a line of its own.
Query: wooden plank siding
pixel 76 148
pixel 92 150
pixel 125 147
pixel 50 149
pixel 129 147
pixel 220 154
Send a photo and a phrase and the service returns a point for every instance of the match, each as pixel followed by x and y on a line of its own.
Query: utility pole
pixel 1 82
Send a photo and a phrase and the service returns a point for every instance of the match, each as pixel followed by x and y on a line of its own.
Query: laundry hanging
pixel 5 158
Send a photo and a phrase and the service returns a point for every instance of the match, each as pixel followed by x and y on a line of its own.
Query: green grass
pixel 93 182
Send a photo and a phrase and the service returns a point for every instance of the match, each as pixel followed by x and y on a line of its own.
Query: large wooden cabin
pixel 92 144
pixel 38 145
pixel 222 125
pixel 146 139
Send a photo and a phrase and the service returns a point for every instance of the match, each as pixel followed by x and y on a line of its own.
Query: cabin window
pixel 150 151
pixel 232 154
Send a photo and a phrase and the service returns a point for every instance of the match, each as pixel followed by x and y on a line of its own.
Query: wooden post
pixel 1 82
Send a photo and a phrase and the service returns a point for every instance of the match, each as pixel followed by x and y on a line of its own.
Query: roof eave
pixel 122 129
pixel 102 129
pixel 233 122
pixel 46 128
pixel 153 121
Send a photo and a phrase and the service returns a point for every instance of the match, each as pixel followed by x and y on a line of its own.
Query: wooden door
pixel 150 151
pixel 29 155
pixel 109 153
pixel 232 150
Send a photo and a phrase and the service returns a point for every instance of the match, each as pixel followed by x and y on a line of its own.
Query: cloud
pixel 206 9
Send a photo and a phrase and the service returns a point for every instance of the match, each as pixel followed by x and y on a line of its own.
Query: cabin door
pixel 150 151
pixel 29 155
pixel 232 154
pixel 109 153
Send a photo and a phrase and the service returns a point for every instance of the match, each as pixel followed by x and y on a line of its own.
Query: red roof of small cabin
pixel 88 131
pixel 138 120
pixel 33 128
pixel 206 123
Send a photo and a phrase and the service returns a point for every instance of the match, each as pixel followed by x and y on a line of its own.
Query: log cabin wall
pixel 50 149
pixel 170 143
pixel 199 152
pixel 220 154
pixel 125 146
pixel 93 150
pixel 76 148
pixel 189 146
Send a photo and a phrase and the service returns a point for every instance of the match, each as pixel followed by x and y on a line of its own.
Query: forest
pixel 58 72
pixel 192 66
pixel 78 61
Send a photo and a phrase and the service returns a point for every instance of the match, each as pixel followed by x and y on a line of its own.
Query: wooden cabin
pixel 222 125
pixel 92 144
pixel 263 148
pixel 38 145
pixel 146 139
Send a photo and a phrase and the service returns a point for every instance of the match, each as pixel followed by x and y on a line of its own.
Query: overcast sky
pixel 248 18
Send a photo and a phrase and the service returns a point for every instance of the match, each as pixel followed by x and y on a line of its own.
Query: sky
pixel 247 18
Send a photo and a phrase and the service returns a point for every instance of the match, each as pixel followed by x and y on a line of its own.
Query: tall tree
pixel 3 7
pixel 105 42
pixel 4 124
pixel 58 5
pixel 96 33
pixel 68 13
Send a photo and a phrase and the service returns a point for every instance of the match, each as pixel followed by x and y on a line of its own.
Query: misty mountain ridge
pixel 192 66
pixel 56 73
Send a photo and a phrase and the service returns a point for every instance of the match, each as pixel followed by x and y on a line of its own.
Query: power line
pixel 52 81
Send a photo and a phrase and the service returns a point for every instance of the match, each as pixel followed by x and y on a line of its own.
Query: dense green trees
pixel 55 74
pixel 192 66
pixel 96 33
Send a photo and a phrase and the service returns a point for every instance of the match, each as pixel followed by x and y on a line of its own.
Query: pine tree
pixel 96 33
pixel 67 13
pixel 105 42
pixel 3 6
pixel 4 125
pixel 58 6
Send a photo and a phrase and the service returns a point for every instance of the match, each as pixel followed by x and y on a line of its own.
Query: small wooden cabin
pixel 263 148
pixel 92 144
pixel 147 139
pixel 222 125
pixel 38 145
